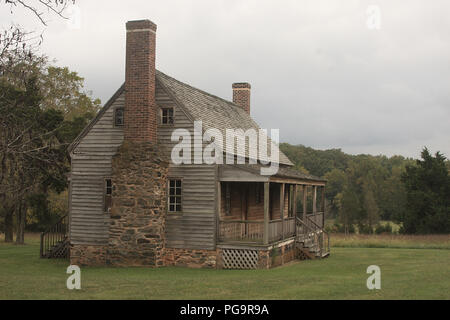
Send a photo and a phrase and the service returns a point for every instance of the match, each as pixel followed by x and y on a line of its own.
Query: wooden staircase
pixel 54 241
pixel 311 241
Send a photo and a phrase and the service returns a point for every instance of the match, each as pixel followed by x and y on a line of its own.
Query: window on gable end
pixel 167 115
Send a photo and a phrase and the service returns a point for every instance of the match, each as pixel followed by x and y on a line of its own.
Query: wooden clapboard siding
pixel 91 164
pixel 195 227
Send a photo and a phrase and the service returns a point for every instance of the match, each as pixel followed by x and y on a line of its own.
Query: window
pixel 174 195
pixel 167 115
pixel 108 195
pixel 118 117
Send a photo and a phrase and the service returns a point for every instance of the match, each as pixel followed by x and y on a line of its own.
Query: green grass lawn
pixel 405 274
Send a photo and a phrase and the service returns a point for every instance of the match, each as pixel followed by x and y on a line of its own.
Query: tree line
pixel 364 189
pixel 43 107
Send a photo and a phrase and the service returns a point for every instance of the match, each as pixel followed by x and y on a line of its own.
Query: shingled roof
pixel 282 172
pixel 215 112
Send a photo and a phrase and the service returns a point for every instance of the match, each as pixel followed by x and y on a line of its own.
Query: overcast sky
pixel 318 72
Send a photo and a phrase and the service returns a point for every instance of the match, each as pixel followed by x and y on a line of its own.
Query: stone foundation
pixel 282 254
pixel 88 255
pixel 277 255
pixel 190 258
pixel 91 255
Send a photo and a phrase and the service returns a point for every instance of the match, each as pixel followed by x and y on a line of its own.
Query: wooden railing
pixel 53 236
pixel 241 230
pixel 275 230
pixel 323 236
pixel 304 230
pixel 317 218
pixel 253 231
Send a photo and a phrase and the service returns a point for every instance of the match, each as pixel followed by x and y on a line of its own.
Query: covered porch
pixel 260 210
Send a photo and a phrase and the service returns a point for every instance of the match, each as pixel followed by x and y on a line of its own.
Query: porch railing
pixel 316 218
pixel 253 231
pixel 241 230
pixel 52 240
pixel 324 237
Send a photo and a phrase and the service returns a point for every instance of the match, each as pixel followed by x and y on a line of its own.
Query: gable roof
pixel 97 117
pixel 215 112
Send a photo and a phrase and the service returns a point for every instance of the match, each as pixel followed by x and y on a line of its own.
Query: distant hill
pixel 320 162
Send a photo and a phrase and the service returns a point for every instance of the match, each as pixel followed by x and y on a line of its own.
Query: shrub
pixel 339 228
pixel 387 228
pixel 365 229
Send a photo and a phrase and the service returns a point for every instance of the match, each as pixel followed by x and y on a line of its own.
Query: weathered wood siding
pixel 243 198
pixel 194 228
pixel 91 164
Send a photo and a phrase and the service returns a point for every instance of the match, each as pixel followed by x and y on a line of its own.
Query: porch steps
pixel 59 250
pixel 312 242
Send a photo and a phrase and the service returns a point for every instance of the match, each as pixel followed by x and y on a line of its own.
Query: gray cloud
pixel 317 72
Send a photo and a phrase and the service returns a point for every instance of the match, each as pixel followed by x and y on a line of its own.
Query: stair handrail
pixel 52 235
pixel 321 244
pixel 308 232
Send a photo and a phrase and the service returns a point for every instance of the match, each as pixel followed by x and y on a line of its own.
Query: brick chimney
pixel 241 95
pixel 140 106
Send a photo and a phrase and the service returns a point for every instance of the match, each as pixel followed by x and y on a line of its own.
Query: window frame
pixel 106 194
pixel 115 116
pixel 180 196
pixel 161 116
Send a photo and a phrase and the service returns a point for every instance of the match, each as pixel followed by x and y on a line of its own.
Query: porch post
pixel 282 187
pixel 305 198
pixel 314 199
pixel 266 212
pixel 218 208
pixel 323 206
pixel 294 201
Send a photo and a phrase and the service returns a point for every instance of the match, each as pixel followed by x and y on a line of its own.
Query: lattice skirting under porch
pixel 239 259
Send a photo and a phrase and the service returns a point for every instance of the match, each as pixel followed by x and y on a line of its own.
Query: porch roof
pixel 252 173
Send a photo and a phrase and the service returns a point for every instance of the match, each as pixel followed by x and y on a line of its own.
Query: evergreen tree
pixel 427 187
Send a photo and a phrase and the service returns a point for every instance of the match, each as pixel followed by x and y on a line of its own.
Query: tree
pixel 427 185
pixel 40 8
pixel 34 100
pixel 349 208
pixel 336 179
pixel 372 213
pixel 64 90
pixel 393 196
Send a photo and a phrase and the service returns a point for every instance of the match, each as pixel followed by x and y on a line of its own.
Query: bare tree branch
pixel 56 7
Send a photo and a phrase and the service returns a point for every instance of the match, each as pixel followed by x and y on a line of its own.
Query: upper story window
pixel 167 115
pixel 108 195
pixel 174 195
pixel 118 117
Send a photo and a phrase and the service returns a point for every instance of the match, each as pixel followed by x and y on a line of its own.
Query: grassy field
pixel 405 274
pixel 391 241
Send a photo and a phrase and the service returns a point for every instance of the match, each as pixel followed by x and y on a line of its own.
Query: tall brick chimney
pixel 241 95
pixel 140 106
